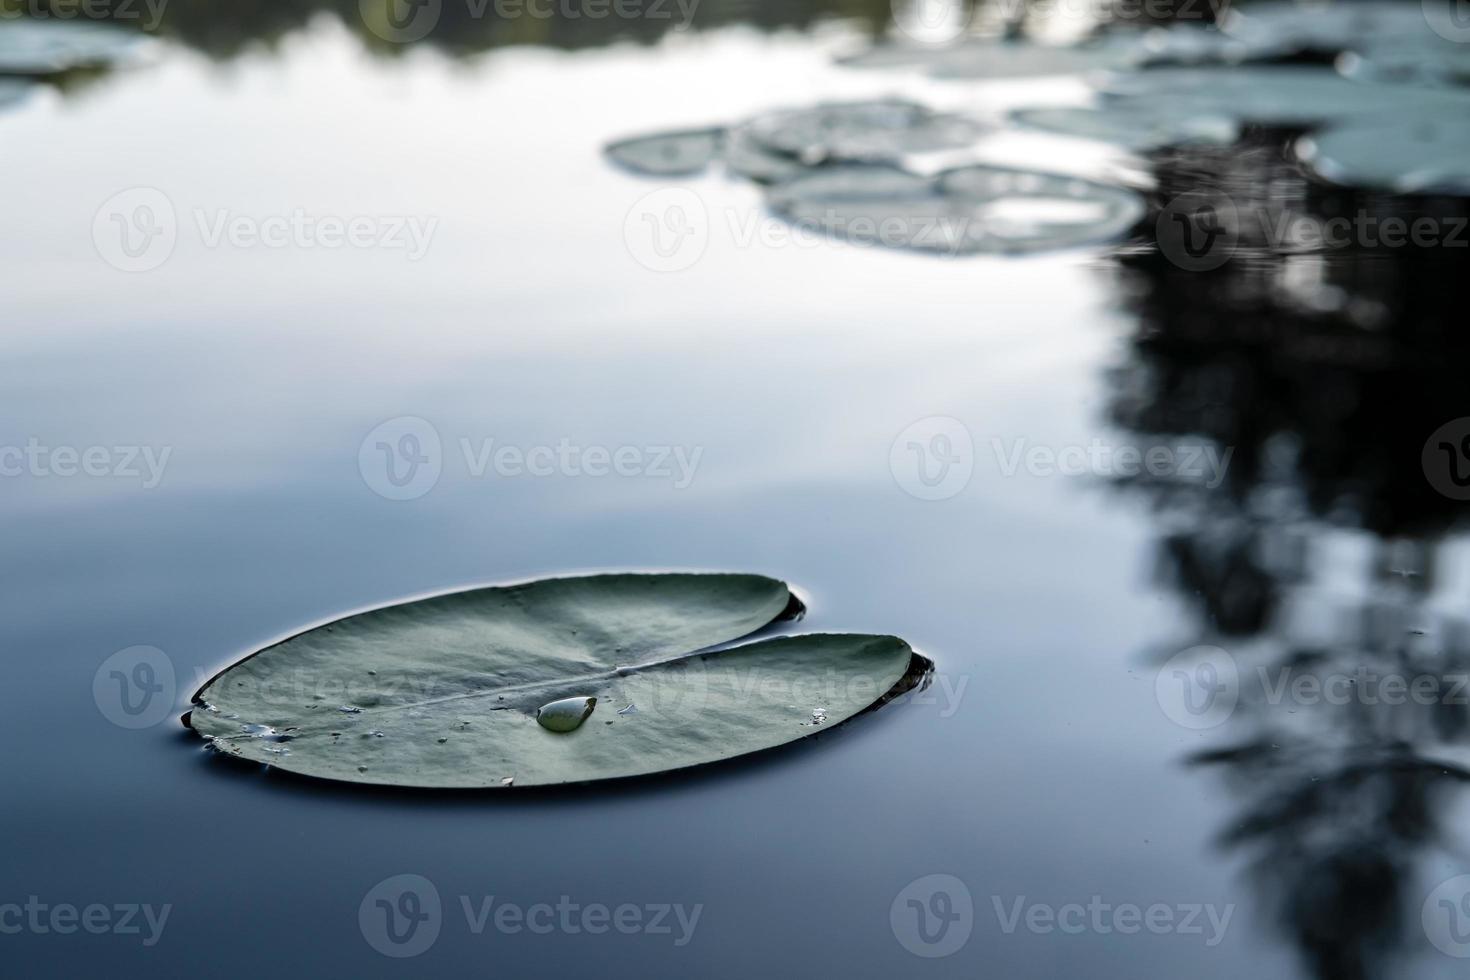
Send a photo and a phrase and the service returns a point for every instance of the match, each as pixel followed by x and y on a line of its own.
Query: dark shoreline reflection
pixel 461 27
pixel 1325 370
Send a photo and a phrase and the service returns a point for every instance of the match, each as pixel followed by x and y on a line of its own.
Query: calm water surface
pixel 1040 768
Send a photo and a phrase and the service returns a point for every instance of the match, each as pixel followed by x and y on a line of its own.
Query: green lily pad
pixel 1426 59
pixel 1323 27
pixel 445 692
pixel 1131 126
pixel 785 144
pixel 49 47
pixel 966 211
pixel 1274 95
pixel 879 131
pixel 1406 155
pixel 1193 43
pixel 681 153
pixel 745 156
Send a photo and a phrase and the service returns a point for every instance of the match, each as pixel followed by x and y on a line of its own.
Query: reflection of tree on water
pixel 1325 371
pixel 466 26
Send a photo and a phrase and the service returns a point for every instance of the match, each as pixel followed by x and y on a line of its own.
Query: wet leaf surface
pixel 492 687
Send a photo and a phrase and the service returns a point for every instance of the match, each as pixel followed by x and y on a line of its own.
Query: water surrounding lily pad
pixel 966 211
pixel 445 691
pixel 677 154
pixel 1279 95
pixel 48 47
pixel 1406 155
pixel 882 130
pixel 1131 126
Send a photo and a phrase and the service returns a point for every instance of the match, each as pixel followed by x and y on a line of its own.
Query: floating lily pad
pixel 746 157
pixel 1424 59
pixel 966 211
pixel 1404 155
pixel 1279 95
pixel 1131 126
pixel 445 692
pixel 677 154
pixel 781 145
pixel 1322 28
pixel 999 59
pixel 884 130
pixel 48 47
pixel 1203 44
pixel 1022 211
pixel 876 205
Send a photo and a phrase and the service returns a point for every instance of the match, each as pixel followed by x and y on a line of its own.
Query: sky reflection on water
pixel 1046 766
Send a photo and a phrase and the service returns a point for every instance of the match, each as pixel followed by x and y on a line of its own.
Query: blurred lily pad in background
pixel 1272 94
pixel 965 211
pixel 1408 155
pixel 839 168
pixel 1133 127
pixel 676 154
pixel 50 47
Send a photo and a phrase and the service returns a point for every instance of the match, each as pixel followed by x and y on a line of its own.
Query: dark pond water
pixel 1162 739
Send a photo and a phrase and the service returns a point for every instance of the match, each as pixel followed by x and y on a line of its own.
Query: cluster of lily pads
pixel 1380 87
pixel 840 167
pixel 1374 96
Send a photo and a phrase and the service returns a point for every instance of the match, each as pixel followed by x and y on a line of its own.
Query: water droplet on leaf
pixel 565 715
